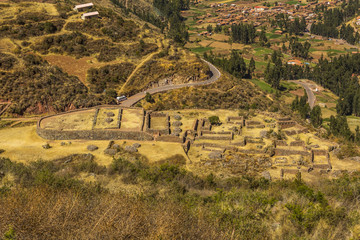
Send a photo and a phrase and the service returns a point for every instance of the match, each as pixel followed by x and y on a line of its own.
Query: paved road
pixel 137 97
pixel 309 92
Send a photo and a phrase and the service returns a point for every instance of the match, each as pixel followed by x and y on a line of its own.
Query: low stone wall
pixel 252 123
pixel 285 152
pixel 297 144
pixel 216 137
pixel 240 143
pixel 148 129
pixel 158 114
pixel 222 150
pixel 235 120
pixel 211 132
pixel 288 171
pixel 195 125
pixel 95 118
pixel 119 118
pixel 319 152
pixel 322 166
pixel 251 151
pixel 168 138
pixel 93 135
pixel 286 124
pixel 282 119
pixel 280 143
pixel 187 145
pixel 256 126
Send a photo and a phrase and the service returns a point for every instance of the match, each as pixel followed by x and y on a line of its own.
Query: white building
pixel 83 7
pixel 89 15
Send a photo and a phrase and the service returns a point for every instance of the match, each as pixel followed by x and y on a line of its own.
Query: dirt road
pixel 309 92
pixel 137 97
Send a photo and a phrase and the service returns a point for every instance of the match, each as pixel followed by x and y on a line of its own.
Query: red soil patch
pixel 72 66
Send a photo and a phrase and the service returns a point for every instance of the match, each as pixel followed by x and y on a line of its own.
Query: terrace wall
pixel 93 135
pixel 285 152
pixel 168 138
pixel 286 124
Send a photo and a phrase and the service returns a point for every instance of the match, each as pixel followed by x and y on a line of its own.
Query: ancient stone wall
pixel 148 129
pixel 285 152
pixel 297 144
pixel 286 124
pixel 278 143
pixel 168 138
pixel 256 126
pixel 222 137
pixel 93 135
pixel 187 145
pixel 195 125
pixel 211 132
pixel 284 171
pixel 251 123
pixel 240 143
pixel 95 118
pixel 235 120
pixel 319 152
pixel 283 119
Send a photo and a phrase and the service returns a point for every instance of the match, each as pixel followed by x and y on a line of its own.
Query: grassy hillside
pixel 226 93
pixel 96 56
pixel 79 198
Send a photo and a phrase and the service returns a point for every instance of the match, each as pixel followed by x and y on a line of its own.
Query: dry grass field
pixel 158 123
pixel 16 8
pixel 82 120
pixel 132 120
pixel 102 123
pixel 22 143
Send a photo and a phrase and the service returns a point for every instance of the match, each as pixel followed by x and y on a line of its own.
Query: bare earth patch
pixel 72 66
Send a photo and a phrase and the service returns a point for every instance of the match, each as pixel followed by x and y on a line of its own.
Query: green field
pixel 263 85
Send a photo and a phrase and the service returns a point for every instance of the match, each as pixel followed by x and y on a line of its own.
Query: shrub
pixel 214 120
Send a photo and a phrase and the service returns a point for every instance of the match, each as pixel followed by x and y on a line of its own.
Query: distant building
pixel 295 62
pixel 83 7
pixel 260 8
pixel 90 15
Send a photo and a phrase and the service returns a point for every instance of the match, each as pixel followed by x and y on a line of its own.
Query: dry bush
pixel 41 213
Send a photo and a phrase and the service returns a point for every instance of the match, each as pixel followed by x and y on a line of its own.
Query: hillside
pixel 179 119
pixel 96 59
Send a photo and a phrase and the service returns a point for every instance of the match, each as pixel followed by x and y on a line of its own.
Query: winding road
pixel 137 97
pixel 309 92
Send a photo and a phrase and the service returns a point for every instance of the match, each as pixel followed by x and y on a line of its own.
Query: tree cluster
pixel 296 27
pixel 298 49
pixel 333 18
pixel 243 33
pixel 339 75
pixel 171 9
pixel 235 65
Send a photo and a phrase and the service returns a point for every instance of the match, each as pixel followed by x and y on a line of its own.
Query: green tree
pixel 316 116
pixel 214 120
pixel 149 98
pixel 251 66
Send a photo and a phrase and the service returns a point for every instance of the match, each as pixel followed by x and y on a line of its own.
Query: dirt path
pixel 137 97
pixel 309 92
pixel 5 108
pixel 137 68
